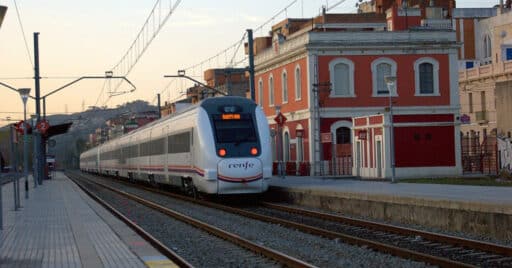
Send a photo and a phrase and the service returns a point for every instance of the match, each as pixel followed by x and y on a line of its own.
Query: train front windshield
pixel 234 130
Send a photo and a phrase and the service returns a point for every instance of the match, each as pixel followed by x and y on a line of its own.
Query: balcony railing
pixel 484 71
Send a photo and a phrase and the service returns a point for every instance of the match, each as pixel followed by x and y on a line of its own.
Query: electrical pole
pixel 159 107
pixel 37 136
pixel 250 43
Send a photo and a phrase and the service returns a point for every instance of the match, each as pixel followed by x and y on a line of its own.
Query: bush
pixel 505 174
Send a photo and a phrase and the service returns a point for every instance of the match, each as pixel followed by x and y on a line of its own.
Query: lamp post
pixel 3 9
pixel 33 119
pixel 24 92
pixel 391 83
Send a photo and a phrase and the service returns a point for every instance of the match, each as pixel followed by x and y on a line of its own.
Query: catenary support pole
pixel 159 106
pixel 38 140
pixel 250 43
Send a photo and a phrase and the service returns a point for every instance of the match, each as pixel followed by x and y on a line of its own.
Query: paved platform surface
pixel 497 199
pixel 60 226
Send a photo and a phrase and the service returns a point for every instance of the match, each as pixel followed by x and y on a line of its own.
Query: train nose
pixel 240 175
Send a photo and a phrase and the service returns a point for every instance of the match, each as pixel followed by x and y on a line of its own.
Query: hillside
pixel 69 145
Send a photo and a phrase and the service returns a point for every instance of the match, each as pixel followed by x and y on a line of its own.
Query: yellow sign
pixel 230 116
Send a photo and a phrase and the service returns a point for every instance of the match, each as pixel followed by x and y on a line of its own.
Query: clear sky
pixel 83 38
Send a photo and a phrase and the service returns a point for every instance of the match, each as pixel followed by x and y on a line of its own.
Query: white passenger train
pixel 219 146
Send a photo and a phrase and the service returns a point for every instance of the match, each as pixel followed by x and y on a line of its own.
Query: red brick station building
pixel 326 75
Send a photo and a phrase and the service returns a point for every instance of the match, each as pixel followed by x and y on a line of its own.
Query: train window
pixel 157 146
pixel 237 131
pixel 179 143
pixel 145 148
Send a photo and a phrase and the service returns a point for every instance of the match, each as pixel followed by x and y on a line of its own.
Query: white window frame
pixel 298 83
pixel 376 63
pixel 435 65
pixel 271 91
pixel 260 92
pixel 351 69
pixel 284 86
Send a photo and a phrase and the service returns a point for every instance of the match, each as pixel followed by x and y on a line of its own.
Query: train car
pixel 220 146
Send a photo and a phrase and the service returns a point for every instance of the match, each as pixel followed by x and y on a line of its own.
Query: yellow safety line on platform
pixel 160 264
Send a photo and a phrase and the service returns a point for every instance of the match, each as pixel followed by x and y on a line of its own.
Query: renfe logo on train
pixel 245 165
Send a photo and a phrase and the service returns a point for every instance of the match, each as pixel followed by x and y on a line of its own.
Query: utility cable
pixel 23 33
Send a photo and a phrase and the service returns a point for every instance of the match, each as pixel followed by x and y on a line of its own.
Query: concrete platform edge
pixel 476 218
pixel 150 256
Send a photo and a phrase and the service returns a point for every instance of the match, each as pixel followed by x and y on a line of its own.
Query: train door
pixel 165 158
pixel 358 158
pixel 97 161
pixel 378 154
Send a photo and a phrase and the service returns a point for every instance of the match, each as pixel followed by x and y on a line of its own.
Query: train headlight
pixel 254 151
pixel 222 152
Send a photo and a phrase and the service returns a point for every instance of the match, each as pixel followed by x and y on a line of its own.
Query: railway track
pixel 433 248
pixel 257 250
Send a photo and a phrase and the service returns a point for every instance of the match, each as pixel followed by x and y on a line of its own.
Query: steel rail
pixel 270 253
pixel 169 253
pixel 469 243
pixel 389 249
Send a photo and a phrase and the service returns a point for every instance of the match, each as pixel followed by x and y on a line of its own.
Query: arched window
pixel 381 68
pixel 487 47
pixel 298 84
pixel 284 86
pixel 273 144
pixel 286 146
pixel 343 135
pixel 342 78
pixel 271 91
pixel 260 92
pixel 426 72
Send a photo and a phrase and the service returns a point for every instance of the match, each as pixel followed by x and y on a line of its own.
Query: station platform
pixel 481 210
pixel 60 226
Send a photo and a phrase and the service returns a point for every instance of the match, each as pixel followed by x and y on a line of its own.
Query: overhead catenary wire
pixel 140 44
pixel 23 34
pixel 235 47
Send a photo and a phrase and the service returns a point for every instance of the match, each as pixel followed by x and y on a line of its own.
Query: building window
pixel 260 92
pixel 426 77
pixel 271 91
pixel 286 147
pixel 483 102
pixel 507 53
pixel 284 86
pixel 298 84
pixel 470 97
pixel 381 68
pixel 343 135
pixel 342 78
pixel 487 47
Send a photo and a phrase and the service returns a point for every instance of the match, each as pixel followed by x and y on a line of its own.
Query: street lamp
pixel 391 83
pixel 3 9
pixel 24 93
